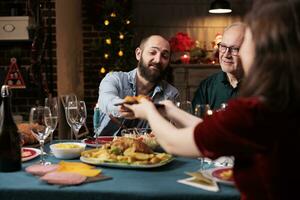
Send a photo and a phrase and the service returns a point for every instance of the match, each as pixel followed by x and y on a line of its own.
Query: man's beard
pixel 151 75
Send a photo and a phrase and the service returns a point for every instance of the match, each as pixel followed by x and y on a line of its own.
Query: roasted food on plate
pixel 126 150
pixel 135 99
pixel 26 134
pixel 144 135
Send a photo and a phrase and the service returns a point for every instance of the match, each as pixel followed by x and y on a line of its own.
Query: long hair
pixel 275 72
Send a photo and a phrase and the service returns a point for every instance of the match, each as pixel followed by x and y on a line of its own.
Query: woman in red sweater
pixel 261 128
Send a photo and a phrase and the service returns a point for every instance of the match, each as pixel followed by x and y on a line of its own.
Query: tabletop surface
pixel 154 183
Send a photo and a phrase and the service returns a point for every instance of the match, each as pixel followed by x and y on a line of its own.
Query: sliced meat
pixel 63 178
pixel 41 170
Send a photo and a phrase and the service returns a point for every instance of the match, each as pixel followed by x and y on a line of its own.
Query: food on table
pixel 64 178
pixel 64 173
pixel 66 146
pixel 120 144
pixel 79 168
pixel 135 99
pixel 26 134
pixel 25 153
pixel 67 150
pixel 126 150
pixel 41 170
pixel 226 174
pixel 147 138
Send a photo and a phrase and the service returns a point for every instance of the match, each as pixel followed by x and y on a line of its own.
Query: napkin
pixel 198 180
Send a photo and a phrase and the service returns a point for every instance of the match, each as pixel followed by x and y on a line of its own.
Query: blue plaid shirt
pixel 114 87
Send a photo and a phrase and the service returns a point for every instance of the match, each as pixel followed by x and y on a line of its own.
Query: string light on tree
pixel 113 14
pixel 115 35
pixel 120 53
pixel 106 22
pixel 108 41
pixel 102 70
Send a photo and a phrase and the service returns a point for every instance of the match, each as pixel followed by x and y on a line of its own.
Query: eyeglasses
pixel 233 50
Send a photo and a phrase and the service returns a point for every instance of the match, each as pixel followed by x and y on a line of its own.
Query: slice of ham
pixel 40 170
pixel 64 178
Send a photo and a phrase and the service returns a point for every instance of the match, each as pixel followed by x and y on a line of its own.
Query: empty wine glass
pixel 73 101
pixel 52 118
pixel 76 115
pixel 39 128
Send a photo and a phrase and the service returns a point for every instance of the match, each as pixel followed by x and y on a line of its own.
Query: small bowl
pixel 67 150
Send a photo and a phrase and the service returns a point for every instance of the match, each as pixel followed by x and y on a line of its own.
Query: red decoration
pixel 14 77
pixel 181 42
pixel 185 58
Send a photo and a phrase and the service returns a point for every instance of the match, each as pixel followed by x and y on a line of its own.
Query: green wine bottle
pixel 10 147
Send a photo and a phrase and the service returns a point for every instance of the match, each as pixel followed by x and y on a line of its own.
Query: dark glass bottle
pixel 10 148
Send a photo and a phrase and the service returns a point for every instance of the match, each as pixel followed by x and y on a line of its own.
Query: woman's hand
pixel 141 109
pixel 168 107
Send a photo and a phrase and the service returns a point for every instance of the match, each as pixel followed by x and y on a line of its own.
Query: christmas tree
pixel 115 43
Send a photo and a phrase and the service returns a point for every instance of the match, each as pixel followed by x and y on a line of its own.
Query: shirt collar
pixel 225 81
pixel 132 80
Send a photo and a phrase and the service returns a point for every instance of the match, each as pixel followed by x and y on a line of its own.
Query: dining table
pixel 125 183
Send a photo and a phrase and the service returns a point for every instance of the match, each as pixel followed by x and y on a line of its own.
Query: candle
pixel 185 58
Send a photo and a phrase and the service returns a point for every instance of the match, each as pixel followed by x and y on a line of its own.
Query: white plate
pixel 101 140
pixel 215 174
pixel 32 153
pixel 96 161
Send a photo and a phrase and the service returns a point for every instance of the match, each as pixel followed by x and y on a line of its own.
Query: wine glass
pixel 39 128
pixel 185 105
pixel 52 117
pixel 73 101
pixel 76 115
pixel 96 123
pixel 201 110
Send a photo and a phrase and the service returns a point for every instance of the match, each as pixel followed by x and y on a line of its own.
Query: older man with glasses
pixel 222 86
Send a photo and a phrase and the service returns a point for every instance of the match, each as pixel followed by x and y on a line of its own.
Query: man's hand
pixel 126 113
pixel 141 109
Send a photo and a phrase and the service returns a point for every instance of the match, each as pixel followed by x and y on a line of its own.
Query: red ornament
pixel 14 77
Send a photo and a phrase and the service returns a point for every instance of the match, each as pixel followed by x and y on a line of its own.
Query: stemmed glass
pixel 185 105
pixel 201 110
pixel 76 116
pixel 39 127
pixel 96 123
pixel 73 101
pixel 52 119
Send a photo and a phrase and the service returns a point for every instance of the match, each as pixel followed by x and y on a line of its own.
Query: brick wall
pixel 92 77
pixel 24 99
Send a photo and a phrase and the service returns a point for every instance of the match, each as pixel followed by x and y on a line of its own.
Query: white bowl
pixel 67 150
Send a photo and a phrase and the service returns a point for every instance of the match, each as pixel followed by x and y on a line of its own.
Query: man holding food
pixel 153 56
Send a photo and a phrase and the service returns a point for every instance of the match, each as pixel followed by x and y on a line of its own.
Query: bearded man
pixel 153 56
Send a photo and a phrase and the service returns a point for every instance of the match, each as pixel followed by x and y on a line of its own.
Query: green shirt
pixel 214 90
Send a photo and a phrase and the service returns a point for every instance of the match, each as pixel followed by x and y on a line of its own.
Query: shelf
pixel 14 28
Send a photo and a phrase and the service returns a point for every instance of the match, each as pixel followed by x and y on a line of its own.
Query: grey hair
pixel 240 24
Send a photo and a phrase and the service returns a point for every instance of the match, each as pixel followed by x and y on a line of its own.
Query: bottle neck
pixel 6 109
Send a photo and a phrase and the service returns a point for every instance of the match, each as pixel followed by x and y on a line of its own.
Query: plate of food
pixel 93 142
pixel 29 153
pixel 125 152
pixel 221 174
